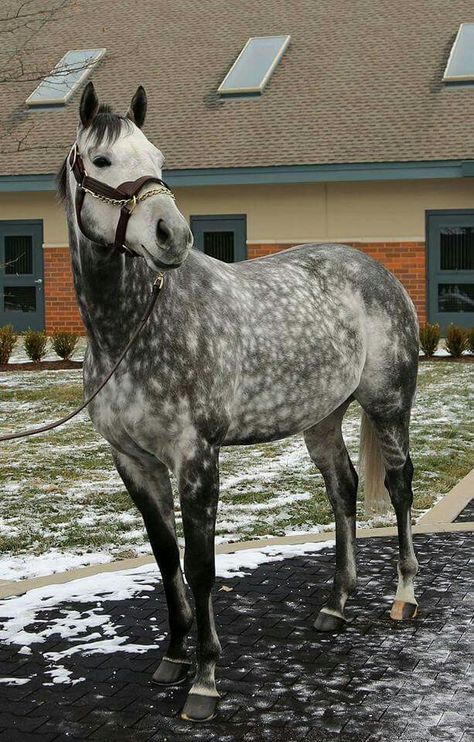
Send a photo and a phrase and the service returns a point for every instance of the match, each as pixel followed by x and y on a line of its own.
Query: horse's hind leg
pixel 399 485
pixel 393 435
pixel 392 431
pixel 148 484
pixel 328 451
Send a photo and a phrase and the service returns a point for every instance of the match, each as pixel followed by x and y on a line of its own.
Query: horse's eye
pixel 101 162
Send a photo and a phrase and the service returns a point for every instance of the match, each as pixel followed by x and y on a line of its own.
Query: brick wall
pixel 406 260
pixel 60 299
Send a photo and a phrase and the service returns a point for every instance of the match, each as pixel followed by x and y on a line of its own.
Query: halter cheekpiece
pixel 126 195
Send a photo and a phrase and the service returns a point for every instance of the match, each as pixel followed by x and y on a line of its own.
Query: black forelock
pixel 106 127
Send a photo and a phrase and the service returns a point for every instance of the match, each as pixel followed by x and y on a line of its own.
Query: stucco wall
pixel 43 206
pixel 335 211
pixel 385 219
pixel 376 211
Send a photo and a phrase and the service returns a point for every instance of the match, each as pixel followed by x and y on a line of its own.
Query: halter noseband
pixel 125 195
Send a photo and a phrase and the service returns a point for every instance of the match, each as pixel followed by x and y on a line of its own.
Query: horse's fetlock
pixel 182 626
pixel 211 651
pixel 408 567
pixel 351 583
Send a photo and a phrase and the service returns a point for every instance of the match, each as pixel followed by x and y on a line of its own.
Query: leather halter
pixel 125 195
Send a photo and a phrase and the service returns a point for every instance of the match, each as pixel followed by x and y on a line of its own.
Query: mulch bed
pixel 41 366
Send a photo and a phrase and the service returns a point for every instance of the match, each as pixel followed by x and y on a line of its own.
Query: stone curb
pixel 438 520
pixel 448 509
pixel 9 589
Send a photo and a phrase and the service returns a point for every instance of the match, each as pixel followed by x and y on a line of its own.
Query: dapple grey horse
pixel 233 354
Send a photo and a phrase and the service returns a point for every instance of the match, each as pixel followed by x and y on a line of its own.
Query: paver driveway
pixel 279 680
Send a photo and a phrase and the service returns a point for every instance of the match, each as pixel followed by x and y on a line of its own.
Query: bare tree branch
pixel 18 29
pixel 25 61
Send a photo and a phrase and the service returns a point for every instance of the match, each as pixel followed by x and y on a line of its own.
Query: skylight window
pixel 254 66
pixel 460 65
pixel 68 74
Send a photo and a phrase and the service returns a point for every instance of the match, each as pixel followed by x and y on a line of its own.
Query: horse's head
pixel 115 151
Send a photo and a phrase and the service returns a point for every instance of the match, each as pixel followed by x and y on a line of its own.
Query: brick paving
pixel 466 515
pixel 279 679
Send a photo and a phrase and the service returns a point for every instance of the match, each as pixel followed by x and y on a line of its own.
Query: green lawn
pixel 60 492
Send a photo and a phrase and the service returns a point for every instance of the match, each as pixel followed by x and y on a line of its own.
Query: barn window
pixel 460 65
pixel 64 79
pixel 221 236
pixel 254 66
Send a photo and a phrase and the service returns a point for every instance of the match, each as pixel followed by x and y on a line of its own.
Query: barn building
pixel 281 123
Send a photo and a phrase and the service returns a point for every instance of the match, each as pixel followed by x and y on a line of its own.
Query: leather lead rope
pixel 157 286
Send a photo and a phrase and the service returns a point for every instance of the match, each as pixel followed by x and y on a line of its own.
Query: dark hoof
pixel 199 708
pixel 171 673
pixel 328 622
pixel 401 610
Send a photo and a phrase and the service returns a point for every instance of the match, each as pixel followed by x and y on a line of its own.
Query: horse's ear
pixel 89 105
pixel 137 110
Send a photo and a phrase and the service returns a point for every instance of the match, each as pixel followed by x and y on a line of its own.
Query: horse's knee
pixel 200 573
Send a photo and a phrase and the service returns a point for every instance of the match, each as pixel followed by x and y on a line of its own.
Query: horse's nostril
pixel 162 231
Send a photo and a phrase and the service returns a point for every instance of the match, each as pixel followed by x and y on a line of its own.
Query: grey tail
pixel 376 496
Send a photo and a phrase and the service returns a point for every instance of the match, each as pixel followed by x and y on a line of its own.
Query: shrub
pixel 35 344
pixel 456 341
pixel 429 339
pixel 7 342
pixel 470 339
pixel 64 343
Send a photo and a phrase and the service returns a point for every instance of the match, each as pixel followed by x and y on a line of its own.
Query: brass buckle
pixel 159 280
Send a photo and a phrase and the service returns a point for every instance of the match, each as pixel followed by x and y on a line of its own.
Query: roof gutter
pixel 278 174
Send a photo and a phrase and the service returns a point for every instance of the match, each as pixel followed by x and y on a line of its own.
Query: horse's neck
pixel 108 294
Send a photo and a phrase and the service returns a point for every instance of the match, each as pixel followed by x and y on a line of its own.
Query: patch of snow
pixel 61 674
pixel 271 503
pixel 26 566
pixel 15 681
pixel 236 564
pixel 104 646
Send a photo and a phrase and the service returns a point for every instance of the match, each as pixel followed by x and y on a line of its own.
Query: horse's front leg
pixel 198 479
pixel 148 483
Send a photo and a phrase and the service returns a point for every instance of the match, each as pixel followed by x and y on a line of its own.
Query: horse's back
pixel 336 268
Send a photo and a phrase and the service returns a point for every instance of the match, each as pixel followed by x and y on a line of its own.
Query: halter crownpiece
pixel 126 195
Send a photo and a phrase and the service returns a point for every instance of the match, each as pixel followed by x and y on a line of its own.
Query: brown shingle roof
pixel 360 82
